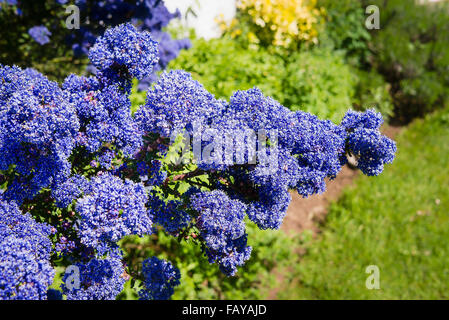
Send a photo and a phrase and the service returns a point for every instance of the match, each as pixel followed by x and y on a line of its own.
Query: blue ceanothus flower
pixel 38 127
pixel 169 214
pixel 40 34
pixel 160 278
pixel 111 209
pixel 221 225
pixel 69 190
pixel 99 279
pixel 177 102
pixel 25 248
pixel 303 151
pixel 148 15
pixel 124 52
pixel 371 148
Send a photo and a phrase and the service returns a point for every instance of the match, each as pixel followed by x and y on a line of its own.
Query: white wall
pixel 206 11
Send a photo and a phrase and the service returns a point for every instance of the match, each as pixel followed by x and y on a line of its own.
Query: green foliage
pixel 372 92
pixel 223 66
pixel 399 223
pixel 411 51
pixel 345 29
pixel 319 81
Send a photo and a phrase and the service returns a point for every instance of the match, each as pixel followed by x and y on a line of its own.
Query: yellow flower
pixel 289 20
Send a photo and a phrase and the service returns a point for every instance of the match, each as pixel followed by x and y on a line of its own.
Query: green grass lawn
pixel 398 221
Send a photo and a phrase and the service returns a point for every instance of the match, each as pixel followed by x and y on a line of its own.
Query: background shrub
pixel 319 81
pixel 223 66
pixel 283 23
pixel 345 29
pixel 372 91
pixel 410 51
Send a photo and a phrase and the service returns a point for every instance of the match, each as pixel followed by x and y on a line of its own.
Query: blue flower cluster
pixel 99 279
pixel 160 279
pixel 170 215
pixel 65 246
pixel 321 152
pixel 370 147
pixel 40 34
pixel 269 211
pixel 104 113
pixel 25 248
pixel 38 127
pixel 125 52
pixel 111 209
pixel 69 190
pixel 221 224
pixel 177 102
pixel 10 2
pixel 106 158
pixel 149 15
pixel 301 152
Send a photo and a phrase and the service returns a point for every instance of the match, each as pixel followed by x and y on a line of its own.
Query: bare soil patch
pixel 309 213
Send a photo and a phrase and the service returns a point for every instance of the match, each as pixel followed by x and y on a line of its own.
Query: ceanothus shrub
pixel 78 172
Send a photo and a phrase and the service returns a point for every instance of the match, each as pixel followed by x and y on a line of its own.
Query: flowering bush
pixel 282 23
pixel 86 173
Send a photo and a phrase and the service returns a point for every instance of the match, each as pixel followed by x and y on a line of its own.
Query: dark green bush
pixel 411 51
pixel 345 29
